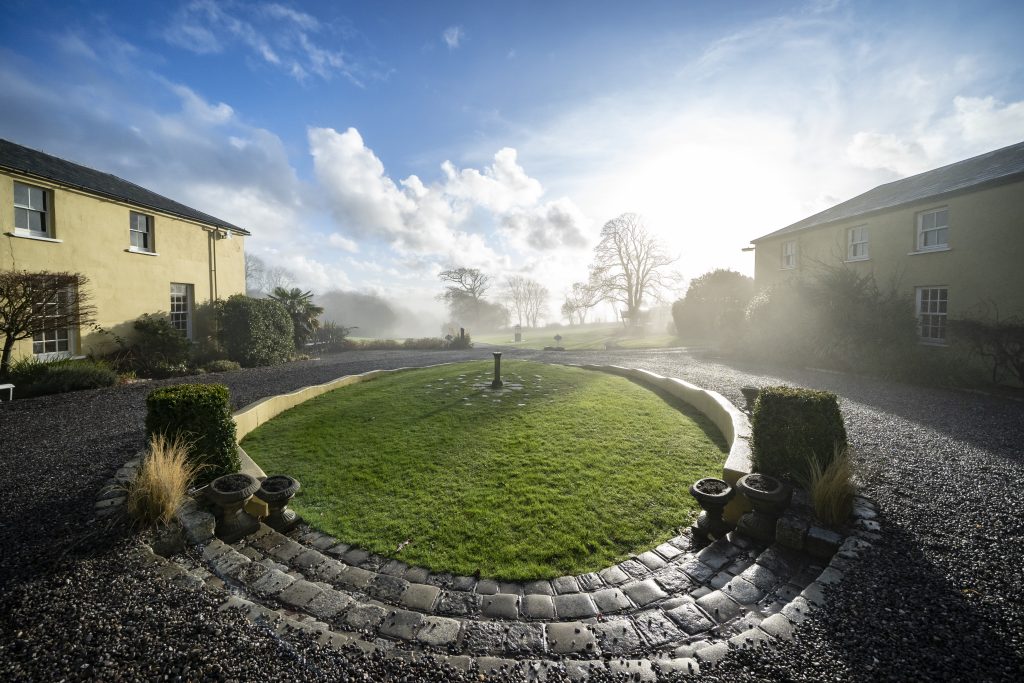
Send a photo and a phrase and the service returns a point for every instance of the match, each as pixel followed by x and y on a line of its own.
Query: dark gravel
pixel 941 597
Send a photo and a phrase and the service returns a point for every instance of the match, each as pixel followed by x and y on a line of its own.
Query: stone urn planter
pixel 230 494
pixel 712 495
pixel 769 498
pixel 276 492
pixel 750 393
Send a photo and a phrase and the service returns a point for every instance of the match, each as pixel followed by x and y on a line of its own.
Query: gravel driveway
pixel 941 597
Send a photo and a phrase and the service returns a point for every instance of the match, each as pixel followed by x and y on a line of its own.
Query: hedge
pixel 201 414
pixel 256 331
pixel 37 378
pixel 790 426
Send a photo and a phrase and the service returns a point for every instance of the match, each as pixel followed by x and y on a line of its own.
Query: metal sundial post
pixel 497 383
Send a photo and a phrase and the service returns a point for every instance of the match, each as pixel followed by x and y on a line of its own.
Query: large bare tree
pixel 464 293
pixel 629 264
pixel 527 298
pixel 37 303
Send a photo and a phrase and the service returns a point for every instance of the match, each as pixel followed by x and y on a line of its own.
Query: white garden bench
pixel 10 390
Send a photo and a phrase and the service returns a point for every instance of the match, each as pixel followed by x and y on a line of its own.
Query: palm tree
pixel 303 311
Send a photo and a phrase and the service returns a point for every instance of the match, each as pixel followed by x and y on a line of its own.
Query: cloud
pixel 296 42
pixel 452 37
pixel 341 242
pixel 965 127
pixel 552 225
pixel 415 217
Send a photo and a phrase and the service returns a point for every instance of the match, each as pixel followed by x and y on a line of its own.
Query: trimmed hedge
pixel 792 425
pixel 256 331
pixel 32 377
pixel 201 414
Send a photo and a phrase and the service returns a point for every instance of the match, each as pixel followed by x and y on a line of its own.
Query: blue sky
pixel 369 145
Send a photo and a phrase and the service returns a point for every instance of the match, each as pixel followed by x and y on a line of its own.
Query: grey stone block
pixel 777 626
pixel 486 587
pixel 484 637
pixel 752 638
pixel 644 592
pixel 690 619
pixel 742 591
pixel 524 639
pixel 713 653
pixel 539 588
pixel 438 631
pixel 668 551
pixel 651 560
pixel 271 583
pixel 590 582
pixel 574 606
pixel 677 667
pixel 573 637
pixel 657 628
pixel 635 569
pixel 673 580
pixel 613 576
pixel 364 616
pixel 565 584
pixel 329 604
pixel 618 637
pixel 500 606
pixel 458 603
pixel 822 543
pixel 401 624
pixel 610 600
pixel 300 593
pixel 536 606
pixel 420 596
pixel 719 606
pixel 791 531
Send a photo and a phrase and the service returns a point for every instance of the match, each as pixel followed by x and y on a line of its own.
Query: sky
pixel 369 145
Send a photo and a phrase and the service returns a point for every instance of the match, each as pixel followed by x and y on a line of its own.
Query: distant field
pixel 573 338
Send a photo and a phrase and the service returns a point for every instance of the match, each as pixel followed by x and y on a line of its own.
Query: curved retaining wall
pixel 731 421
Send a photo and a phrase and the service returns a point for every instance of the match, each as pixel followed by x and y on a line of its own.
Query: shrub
pixel 793 426
pixel 162 482
pixel 201 415
pixel 461 342
pixel 158 341
pixel 222 366
pixel 831 487
pixel 1000 342
pixel 713 307
pixel 424 344
pixel 256 331
pixel 38 378
pixel 334 337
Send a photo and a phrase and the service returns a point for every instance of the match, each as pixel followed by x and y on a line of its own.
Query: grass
pixel 831 488
pixel 569 473
pixel 162 482
pixel 583 338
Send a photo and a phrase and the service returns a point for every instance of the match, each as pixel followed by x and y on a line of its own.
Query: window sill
pixel 932 342
pixel 857 260
pixel 133 250
pixel 788 268
pixel 29 236
pixel 927 251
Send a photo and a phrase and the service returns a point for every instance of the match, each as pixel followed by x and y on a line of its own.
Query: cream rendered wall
pixel 94 240
pixel 985 260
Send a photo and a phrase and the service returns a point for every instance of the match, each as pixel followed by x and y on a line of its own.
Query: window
pixel 54 341
pixel 181 308
pixel 933 230
pixel 789 254
pixel 857 243
pixel 31 210
pixel 140 227
pixel 931 314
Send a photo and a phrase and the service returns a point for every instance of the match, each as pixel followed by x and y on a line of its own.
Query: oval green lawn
pixel 570 473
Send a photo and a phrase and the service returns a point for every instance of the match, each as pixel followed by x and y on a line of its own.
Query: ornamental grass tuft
pixel 831 487
pixel 162 482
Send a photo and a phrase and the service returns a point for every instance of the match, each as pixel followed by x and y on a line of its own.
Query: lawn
pixel 562 472
pixel 581 338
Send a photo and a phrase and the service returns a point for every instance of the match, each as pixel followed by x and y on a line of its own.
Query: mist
pixel 375 316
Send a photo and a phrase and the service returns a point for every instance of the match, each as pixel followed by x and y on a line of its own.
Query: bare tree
pixel 464 293
pixel 629 264
pixel 255 275
pixel 527 299
pixel 579 301
pixel 278 276
pixel 39 303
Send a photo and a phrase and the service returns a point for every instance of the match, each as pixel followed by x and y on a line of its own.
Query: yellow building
pixel 953 238
pixel 142 252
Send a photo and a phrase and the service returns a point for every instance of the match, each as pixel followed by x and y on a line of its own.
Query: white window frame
pixel 56 342
pixel 932 313
pixel 181 308
pixel 923 230
pixel 44 211
pixel 143 233
pixel 789 253
pixel 857 241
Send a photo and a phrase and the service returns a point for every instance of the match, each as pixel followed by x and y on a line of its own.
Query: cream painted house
pixel 953 238
pixel 142 252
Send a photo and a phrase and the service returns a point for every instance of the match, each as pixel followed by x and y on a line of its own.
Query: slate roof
pixel 992 168
pixel 31 162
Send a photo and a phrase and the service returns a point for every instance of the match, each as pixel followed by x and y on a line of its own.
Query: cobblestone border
pixel 670 609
